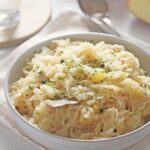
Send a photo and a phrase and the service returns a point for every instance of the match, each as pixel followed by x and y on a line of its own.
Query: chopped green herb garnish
pixel 60 78
pixel 44 81
pixel 91 41
pixel 144 85
pixel 40 72
pixel 113 52
pixel 79 65
pixel 61 61
pixel 82 84
pixel 109 69
pixel 30 87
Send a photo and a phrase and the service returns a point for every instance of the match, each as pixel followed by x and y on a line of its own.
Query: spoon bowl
pixel 98 11
pixel 97 8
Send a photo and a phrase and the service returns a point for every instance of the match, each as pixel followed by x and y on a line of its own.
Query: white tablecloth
pixel 11 139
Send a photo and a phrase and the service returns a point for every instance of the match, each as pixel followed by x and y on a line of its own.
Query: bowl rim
pixel 43 40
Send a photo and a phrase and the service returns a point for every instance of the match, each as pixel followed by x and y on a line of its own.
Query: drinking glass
pixel 9 14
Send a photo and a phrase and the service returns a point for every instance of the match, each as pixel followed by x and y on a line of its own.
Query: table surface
pixel 8 139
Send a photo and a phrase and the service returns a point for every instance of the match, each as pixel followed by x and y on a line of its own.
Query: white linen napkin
pixel 66 23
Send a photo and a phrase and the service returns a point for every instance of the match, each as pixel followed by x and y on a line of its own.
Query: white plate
pixel 127 24
pixel 33 18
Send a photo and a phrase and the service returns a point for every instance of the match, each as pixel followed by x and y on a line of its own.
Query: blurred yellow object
pixel 141 9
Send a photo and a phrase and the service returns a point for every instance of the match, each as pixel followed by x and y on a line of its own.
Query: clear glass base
pixel 9 19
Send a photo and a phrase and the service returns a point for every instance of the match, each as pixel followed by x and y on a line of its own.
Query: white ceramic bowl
pixel 61 143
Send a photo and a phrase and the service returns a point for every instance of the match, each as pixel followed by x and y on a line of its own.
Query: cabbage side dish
pixel 82 90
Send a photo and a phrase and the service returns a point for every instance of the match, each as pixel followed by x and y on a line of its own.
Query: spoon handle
pixel 107 22
pixel 106 25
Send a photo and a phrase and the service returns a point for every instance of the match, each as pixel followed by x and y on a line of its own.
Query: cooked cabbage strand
pixel 82 90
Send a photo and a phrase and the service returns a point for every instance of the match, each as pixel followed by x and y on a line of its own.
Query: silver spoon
pixel 97 10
